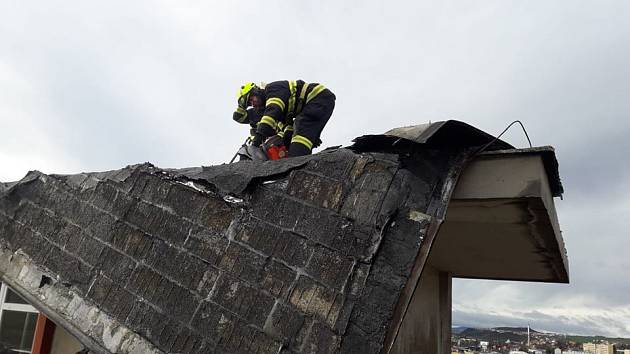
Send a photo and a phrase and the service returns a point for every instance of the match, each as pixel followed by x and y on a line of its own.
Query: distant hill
pixel 492 335
pixel 458 329
pixel 590 339
pixel 515 329
pixel 519 334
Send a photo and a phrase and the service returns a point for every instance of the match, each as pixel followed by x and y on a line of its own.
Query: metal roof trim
pixel 443 133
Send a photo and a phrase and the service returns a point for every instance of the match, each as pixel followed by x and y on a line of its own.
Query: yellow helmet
pixel 243 93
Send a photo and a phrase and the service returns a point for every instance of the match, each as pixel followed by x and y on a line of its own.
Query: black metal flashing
pixel 443 134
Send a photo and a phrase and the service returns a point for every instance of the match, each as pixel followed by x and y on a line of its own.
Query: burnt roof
pixel 303 255
pixel 5 186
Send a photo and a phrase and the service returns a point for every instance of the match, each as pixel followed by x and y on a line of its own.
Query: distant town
pixel 524 340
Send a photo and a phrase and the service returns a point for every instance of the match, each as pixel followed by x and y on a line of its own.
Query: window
pixel 17 322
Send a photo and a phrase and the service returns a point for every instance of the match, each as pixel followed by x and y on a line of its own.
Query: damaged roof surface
pixel 304 255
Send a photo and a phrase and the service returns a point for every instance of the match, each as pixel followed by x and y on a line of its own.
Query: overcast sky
pixel 90 86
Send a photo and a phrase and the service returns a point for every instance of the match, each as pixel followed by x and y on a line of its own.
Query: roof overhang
pixel 501 222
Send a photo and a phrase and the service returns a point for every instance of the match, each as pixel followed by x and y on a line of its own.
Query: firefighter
pixel 294 110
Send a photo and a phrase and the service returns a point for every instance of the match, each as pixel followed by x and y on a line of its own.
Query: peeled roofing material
pixel 317 254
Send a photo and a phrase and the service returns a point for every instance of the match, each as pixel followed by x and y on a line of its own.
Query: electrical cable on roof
pixel 503 132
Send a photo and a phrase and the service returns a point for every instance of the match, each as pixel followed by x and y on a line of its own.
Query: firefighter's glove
pixel 257 140
pixel 287 138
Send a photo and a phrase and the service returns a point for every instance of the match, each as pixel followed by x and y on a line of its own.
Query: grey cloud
pixel 591 325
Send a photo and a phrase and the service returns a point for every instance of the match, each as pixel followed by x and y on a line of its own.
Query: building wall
pixel 426 325
pixel 64 342
pixel 603 348
pixel 589 347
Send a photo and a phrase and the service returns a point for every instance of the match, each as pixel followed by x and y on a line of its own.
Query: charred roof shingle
pixel 311 254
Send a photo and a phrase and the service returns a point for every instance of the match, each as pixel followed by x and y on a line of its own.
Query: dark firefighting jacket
pixel 284 100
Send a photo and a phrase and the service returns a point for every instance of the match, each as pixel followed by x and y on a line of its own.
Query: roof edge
pixel 69 309
pixel 550 162
pixel 449 133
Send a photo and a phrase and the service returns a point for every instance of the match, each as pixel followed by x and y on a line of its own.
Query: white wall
pixel 64 342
